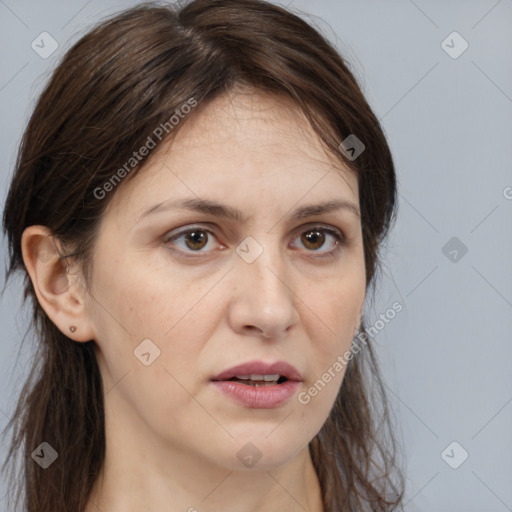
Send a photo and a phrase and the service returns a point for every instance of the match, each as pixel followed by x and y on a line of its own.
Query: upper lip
pixel 260 368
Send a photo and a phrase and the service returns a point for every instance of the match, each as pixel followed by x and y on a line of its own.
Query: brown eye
pixel 313 239
pixel 191 240
pixel 195 239
pixel 317 237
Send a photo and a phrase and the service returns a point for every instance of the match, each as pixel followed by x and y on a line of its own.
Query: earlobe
pixel 59 293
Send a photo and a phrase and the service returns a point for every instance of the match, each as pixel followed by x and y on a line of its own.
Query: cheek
pixel 139 311
pixel 135 303
pixel 337 305
pixel 142 301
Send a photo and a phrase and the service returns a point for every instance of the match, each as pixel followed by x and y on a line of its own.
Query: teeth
pixel 267 378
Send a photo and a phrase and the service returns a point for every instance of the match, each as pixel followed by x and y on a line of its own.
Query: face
pixel 179 295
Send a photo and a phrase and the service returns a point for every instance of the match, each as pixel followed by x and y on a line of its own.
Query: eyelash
pixel 338 236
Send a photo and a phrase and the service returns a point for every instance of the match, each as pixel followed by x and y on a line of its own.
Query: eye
pixel 195 239
pixel 315 238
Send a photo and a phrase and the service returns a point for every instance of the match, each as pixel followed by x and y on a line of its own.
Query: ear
pixel 59 291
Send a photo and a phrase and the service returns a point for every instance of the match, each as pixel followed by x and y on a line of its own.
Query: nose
pixel 263 302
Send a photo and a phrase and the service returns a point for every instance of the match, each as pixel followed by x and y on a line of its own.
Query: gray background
pixel 446 355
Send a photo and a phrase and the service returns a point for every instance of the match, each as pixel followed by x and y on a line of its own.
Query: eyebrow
pixel 219 210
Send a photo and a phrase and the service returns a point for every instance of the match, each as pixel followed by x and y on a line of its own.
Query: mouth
pixel 259 380
pixel 258 373
pixel 258 385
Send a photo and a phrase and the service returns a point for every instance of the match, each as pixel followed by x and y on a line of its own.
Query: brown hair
pixel 111 89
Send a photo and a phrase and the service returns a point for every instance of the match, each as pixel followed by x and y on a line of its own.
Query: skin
pixel 172 439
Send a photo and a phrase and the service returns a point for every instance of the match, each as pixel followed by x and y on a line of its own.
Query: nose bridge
pixel 263 263
pixel 264 296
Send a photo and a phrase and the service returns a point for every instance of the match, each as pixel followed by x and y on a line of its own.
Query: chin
pixel 262 453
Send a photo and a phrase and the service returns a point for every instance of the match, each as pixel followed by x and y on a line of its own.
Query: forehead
pixel 242 145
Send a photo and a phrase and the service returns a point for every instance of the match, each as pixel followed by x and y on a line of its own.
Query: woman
pixel 197 206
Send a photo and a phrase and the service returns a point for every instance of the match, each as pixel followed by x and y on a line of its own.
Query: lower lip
pixel 261 397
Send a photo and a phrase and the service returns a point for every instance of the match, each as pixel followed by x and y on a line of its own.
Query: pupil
pixel 313 237
pixel 194 235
